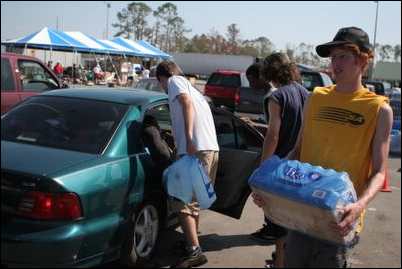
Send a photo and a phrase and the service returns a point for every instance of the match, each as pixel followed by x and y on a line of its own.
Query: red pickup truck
pixel 23 76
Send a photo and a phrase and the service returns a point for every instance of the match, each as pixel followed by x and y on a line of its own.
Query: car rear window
pixel 63 123
pixel 224 80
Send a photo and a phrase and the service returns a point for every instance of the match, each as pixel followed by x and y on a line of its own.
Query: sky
pixel 284 23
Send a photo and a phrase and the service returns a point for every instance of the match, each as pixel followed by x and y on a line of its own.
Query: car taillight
pixel 237 96
pixel 50 206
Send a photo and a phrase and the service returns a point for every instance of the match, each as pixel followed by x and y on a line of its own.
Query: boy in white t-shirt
pixel 194 133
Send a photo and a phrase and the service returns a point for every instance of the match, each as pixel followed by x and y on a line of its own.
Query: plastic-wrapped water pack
pixel 303 197
pixel 186 179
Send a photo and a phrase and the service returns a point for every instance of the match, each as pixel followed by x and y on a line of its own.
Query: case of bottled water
pixel 303 197
pixel 186 179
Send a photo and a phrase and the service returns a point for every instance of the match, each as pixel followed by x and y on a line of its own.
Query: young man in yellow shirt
pixel 347 128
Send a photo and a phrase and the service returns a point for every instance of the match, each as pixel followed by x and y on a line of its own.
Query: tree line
pixel 164 28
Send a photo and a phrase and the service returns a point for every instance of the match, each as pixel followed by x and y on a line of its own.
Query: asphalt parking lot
pixel 226 241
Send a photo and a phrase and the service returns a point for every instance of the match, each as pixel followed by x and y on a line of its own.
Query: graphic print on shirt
pixel 339 115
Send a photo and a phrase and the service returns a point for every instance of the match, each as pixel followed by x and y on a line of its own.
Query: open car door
pixel 251 100
pixel 240 151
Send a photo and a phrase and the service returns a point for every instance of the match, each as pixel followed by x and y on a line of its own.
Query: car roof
pixel 115 95
pixel 227 72
pixel 305 67
pixel 309 72
pixel 150 78
pixel 19 56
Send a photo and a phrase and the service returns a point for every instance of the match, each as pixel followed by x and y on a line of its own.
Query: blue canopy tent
pixel 61 41
pixel 77 42
pixel 50 39
pixel 92 44
pixel 44 39
pixel 140 49
pixel 147 45
pixel 115 46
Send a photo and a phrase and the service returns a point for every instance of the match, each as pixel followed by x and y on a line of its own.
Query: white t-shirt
pixel 124 67
pixel 145 73
pixel 97 69
pixel 204 134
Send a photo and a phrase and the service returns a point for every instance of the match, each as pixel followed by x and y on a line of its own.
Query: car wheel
pixel 142 235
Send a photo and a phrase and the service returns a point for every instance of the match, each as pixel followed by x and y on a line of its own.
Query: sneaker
pixel 271 263
pixel 193 258
pixel 265 234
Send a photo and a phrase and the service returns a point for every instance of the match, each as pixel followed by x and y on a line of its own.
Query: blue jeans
pixel 303 251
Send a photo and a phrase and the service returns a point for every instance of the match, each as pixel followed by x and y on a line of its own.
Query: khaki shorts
pixel 210 161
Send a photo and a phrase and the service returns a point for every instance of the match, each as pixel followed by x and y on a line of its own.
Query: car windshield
pixel 225 80
pixel 311 80
pixel 63 123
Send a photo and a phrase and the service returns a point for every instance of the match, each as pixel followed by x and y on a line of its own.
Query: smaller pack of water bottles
pixel 186 179
pixel 303 197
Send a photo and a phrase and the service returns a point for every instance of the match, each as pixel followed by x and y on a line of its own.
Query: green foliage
pixel 168 32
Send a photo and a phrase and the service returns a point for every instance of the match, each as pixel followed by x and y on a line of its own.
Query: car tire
pixel 143 231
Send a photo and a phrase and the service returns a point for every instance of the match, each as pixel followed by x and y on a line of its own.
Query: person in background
pixel 145 73
pixel 97 73
pixel 74 74
pixel 159 150
pixel 257 81
pixel 58 70
pixel 124 72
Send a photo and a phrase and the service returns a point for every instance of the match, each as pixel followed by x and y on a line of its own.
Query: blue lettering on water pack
pixel 208 185
pixel 293 173
pixel 314 176
pixel 294 176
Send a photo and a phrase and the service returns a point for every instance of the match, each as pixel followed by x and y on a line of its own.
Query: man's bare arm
pixel 188 115
pixel 380 149
pixel 272 135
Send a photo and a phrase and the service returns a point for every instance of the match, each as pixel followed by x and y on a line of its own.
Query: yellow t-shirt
pixel 338 132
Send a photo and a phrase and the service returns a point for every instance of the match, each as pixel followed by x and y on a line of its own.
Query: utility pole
pixel 375 36
pixel 107 19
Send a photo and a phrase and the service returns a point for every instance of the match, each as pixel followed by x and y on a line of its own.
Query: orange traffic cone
pixel 386 187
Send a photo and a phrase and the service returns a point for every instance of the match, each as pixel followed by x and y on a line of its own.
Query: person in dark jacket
pixel 160 152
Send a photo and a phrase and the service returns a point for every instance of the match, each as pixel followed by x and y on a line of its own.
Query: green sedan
pixel 79 188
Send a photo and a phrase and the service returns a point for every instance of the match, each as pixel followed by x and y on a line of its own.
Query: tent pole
pixel 114 68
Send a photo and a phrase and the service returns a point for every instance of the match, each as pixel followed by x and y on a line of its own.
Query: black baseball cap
pixel 347 35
